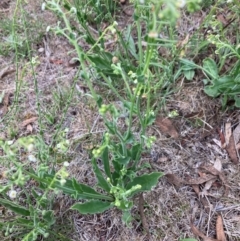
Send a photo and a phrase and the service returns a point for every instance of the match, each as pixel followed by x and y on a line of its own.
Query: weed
pixel 135 74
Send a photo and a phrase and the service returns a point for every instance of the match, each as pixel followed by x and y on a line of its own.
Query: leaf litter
pixel 164 201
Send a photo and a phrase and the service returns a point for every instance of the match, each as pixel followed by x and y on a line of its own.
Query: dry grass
pixel 168 209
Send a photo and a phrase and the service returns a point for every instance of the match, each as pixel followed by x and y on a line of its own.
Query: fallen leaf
pixel 28 121
pixel 228 132
pixel 200 180
pixel 198 233
pixel 29 128
pixel 222 138
pixel 4 105
pixel 231 150
pixel 219 229
pixel 6 71
pixel 222 19
pixel 208 185
pixel 174 180
pixel 202 199
pixel 56 61
pixel 236 134
pixel 218 165
pixel 212 170
pixel 166 126
pixel 182 43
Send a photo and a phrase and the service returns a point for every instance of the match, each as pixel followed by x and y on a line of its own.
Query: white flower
pixel 10 142
pixel 66 164
pixel 181 3
pixel 48 28
pixel 62 182
pixel 30 147
pixel 152 34
pixel 43 6
pixel 12 194
pixel 32 158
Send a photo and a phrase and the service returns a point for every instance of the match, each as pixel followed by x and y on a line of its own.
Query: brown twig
pixel 142 215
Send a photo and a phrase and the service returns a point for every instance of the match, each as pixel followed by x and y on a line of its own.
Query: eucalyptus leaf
pixel 92 207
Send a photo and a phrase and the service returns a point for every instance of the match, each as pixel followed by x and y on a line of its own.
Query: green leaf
pixel 146 181
pixel 100 63
pixel 48 216
pixel 123 160
pixel 212 90
pixel 210 68
pixel 102 182
pixel 71 187
pixel 92 207
pixel 188 64
pixel 127 217
pixel 237 101
pixel 15 207
pixel 105 159
pixel 130 42
pixel 189 74
pixel 128 137
pixel 134 152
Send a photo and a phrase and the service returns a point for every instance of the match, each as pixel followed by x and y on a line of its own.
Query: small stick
pixel 142 215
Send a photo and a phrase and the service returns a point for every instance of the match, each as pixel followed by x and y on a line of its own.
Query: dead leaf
pixel 198 233
pixel 56 61
pixel 219 229
pixel 222 138
pixel 218 165
pixel 231 150
pixel 214 171
pixel 222 19
pixel 28 121
pixel 6 71
pixel 182 43
pixel 166 126
pixel 228 132
pixel 200 180
pixel 29 128
pixel 162 159
pixel 174 180
pixel 202 199
pixel 4 105
pixel 208 185
pixel 236 134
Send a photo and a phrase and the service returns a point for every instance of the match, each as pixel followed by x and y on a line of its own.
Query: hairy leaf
pixel 92 207
pixel 15 207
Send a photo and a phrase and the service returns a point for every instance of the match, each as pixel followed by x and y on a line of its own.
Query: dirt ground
pixel 201 187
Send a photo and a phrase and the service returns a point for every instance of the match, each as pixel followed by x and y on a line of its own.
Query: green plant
pixel 117 162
